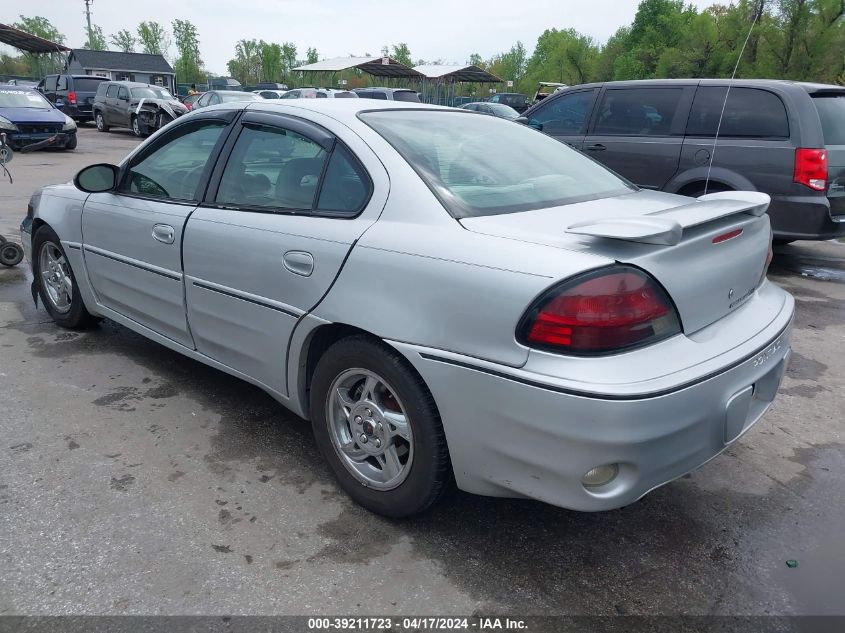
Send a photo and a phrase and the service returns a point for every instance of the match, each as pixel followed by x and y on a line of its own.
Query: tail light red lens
pixel 811 168
pixel 605 311
pixel 71 98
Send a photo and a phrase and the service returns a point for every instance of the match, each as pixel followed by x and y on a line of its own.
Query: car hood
pixel 681 241
pixel 32 115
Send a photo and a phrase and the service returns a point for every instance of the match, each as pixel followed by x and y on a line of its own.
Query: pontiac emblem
pixel 731 293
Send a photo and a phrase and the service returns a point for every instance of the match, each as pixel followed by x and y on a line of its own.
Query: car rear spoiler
pixel 667 226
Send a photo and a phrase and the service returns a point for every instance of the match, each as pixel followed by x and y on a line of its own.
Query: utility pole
pixel 88 17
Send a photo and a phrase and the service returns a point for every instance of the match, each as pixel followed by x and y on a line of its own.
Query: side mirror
pixel 522 120
pixel 97 178
pixel 532 123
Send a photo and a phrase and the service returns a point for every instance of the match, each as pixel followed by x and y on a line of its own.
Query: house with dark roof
pixel 119 66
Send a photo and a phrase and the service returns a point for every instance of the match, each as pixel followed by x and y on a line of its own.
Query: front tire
pixel 377 425
pixel 56 282
pixel 136 127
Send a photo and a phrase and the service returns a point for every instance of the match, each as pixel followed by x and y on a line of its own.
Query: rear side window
pixel 112 91
pixel 749 113
pixel 345 187
pixel 637 112
pixel 831 110
pixel 101 89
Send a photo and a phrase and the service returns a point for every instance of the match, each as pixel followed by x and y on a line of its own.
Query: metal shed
pixel 440 79
pixel 386 67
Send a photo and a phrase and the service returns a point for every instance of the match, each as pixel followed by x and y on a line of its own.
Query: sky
pixel 433 29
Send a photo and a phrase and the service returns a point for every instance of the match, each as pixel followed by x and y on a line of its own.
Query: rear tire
pixel 56 282
pixel 361 387
pixel 100 121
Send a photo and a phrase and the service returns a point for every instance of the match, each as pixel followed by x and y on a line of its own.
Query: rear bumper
pixel 804 218
pixel 510 435
pixel 79 112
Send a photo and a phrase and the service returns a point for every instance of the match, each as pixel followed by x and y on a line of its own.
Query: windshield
pixel 11 98
pixel 481 165
pixel 151 93
pixel 504 111
pixel 832 114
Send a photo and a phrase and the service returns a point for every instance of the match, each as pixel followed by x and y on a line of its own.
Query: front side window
pixel 50 83
pixel 479 165
pixel 173 171
pixel 637 111
pixel 749 113
pixel 564 115
pixel 272 167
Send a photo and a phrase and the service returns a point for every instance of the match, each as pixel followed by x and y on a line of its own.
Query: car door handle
pixel 164 233
pixel 299 263
pixel 598 147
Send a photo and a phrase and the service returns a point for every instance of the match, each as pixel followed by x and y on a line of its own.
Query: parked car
pixel 214 97
pixel 388 94
pixel 495 109
pixel 72 94
pixel 532 326
pixel 190 100
pixel 224 83
pixel 515 100
pixel 143 108
pixel 27 119
pixel 318 93
pixel 269 94
pixel 270 85
pixel 784 138
pixel 546 88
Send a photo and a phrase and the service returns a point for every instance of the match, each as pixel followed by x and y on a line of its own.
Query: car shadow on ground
pixel 684 548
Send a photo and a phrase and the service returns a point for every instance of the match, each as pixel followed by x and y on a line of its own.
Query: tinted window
pixel 269 95
pixel 372 94
pixel 112 91
pixel 346 94
pixel 565 115
pixel 272 167
pixel 406 95
pixel 173 171
pixel 482 165
pixel 832 114
pixel 345 187
pixel 637 111
pixel 84 84
pixel 50 83
pixel 512 100
pixel 749 113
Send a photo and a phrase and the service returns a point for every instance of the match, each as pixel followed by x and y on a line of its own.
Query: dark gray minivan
pixel 786 139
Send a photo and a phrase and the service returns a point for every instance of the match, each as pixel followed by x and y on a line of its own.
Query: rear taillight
pixel 811 168
pixel 71 98
pixel 604 311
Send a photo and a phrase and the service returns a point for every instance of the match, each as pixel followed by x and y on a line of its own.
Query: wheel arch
pixel 694 179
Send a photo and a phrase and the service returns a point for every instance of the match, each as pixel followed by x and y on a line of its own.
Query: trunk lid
pixel 709 254
pixel 831 109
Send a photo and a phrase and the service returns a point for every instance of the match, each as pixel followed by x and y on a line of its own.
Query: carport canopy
pixel 27 42
pixel 376 66
pixel 447 72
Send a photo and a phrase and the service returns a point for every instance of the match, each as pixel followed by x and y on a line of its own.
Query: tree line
pixel 791 39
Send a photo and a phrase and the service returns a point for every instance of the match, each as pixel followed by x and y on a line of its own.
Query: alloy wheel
pixel 55 277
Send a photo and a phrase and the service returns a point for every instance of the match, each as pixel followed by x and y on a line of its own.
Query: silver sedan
pixel 448 298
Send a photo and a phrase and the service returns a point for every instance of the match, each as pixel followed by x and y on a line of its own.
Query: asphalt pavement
pixel 136 481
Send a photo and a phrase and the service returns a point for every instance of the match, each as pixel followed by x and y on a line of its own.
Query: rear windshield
pixel 406 95
pixel 225 97
pixel 832 114
pixel 512 100
pixel 481 165
pixel 84 84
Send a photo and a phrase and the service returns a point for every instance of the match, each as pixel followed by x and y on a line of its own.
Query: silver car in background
pixel 448 298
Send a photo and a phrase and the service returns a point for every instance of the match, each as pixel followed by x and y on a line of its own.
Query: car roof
pixel 345 110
